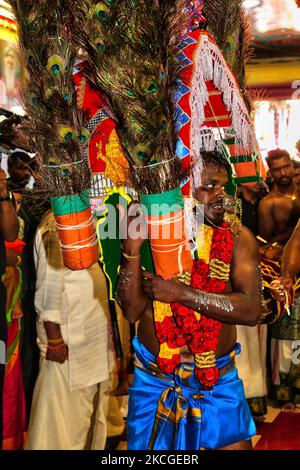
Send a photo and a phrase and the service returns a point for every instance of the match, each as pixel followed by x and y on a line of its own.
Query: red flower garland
pixel 168 332
pixel 202 336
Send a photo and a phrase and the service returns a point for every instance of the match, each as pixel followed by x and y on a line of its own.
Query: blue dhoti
pixel 172 412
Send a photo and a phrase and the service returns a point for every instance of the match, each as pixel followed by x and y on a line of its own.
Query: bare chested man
pixel 221 427
pixel 279 211
pixel 290 265
pixel 289 369
pixel 278 215
pixel 296 164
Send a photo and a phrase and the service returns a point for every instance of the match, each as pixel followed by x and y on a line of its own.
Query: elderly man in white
pixel 72 306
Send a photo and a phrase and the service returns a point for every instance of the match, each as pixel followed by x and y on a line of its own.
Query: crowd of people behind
pixel 61 376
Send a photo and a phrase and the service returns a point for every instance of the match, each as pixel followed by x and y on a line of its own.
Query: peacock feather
pixel 56 123
pixel 131 46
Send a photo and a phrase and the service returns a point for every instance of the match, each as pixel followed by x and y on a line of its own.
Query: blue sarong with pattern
pixel 172 412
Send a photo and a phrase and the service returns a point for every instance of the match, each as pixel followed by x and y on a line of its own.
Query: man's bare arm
pixel 290 265
pixel 265 219
pixel 241 307
pixel 130 294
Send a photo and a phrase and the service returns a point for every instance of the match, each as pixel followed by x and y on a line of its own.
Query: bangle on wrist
pixel 57 347
pixel 56 340
pixel 129 256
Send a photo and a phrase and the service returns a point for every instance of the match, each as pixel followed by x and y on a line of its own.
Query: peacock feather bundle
pixel 131 47
pixel 56 123
pixel 155 63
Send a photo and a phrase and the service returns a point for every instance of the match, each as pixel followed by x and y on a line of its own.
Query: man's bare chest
pixel 285 213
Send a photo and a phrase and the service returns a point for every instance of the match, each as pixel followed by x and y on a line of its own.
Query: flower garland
pixel 178 325
pixel 170 337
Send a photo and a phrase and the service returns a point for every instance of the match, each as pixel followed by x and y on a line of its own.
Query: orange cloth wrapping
pixel 78 239
pixel 245 169
pixel 248 167
pixel 170 249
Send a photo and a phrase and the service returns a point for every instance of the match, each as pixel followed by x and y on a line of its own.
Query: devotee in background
pixel 21 168
pixel 250 196
pixel 252 362
pixel 289 372
pixel 290 264
pixel 296 164
pixel 225 417
pixel 10 84
pixel 278 216
pixel 9 228
pixel 68 402
pixel 14 404
pixel 279 210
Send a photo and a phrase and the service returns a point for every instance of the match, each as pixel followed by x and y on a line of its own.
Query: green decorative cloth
pixel 17 294
pixel 110 242
pixel 163 203
pixel 63 205
pixel 248 179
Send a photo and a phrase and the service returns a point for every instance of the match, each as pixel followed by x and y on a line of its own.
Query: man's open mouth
pixel 218 205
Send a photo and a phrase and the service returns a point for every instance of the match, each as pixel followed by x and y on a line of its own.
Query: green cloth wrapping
pixel 111 246
pixel 162 203
pixel 63 205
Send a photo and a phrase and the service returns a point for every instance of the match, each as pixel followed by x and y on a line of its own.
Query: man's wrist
pixel 130 257
pixel 134 251
pixel 53 330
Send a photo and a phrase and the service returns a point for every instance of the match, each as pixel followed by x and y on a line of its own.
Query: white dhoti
pixel 251 363
pixel 281 357
pixel 65 420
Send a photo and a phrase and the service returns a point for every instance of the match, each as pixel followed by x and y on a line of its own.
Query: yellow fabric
pixel 161 311
pixel 204 240
pixel 219 270
pixel 268 72
pixel 117 167
pixel 167 352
